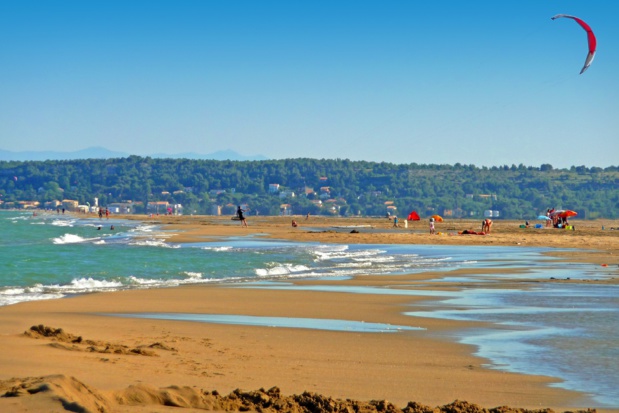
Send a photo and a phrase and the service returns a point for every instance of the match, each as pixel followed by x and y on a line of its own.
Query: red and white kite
pixel 590 38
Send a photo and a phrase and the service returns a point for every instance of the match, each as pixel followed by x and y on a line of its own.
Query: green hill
pixel 326 186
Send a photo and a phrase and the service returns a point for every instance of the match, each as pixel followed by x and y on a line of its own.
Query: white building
pixel 489 213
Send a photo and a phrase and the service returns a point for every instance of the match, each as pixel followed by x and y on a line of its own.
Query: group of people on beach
pixel 107 213
pixel 556 220
pixel 486 226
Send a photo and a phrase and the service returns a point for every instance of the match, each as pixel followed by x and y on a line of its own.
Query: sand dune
pixel 62 393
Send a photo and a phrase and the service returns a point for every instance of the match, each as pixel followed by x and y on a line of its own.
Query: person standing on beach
pixel 432 230
pixel 239 213
pixel 485 225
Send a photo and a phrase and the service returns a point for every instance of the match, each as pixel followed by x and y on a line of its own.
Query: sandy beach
pixel 78 358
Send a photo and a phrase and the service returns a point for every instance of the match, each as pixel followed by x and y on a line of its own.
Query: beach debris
pixel 66 341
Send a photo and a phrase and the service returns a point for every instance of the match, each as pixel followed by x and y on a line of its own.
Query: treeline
pixel 336 186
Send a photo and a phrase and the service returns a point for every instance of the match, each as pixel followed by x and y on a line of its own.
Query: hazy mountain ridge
pixel 97 152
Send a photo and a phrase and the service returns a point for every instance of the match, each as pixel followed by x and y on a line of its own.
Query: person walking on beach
pixel 432 230
pixel 239 213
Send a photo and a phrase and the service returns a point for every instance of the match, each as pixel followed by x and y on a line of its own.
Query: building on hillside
pixel 453 213
pixel 121 207
pixel 332 206
pixel 28 204
pixel 52 204
pixel 325 192
pixel 489 213
pixel 157 207
pixel 287 194
pixel 285 209
pixel 273 188
pixel 70 204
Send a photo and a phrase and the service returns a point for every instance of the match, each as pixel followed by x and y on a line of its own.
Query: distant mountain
pixel 96 152
pixel 88 153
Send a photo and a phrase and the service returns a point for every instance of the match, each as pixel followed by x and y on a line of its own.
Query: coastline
pixel 399 367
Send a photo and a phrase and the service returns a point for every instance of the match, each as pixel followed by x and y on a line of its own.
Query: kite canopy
pixel 590 38
pixel 413 216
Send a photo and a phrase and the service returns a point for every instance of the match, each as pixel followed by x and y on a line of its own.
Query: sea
pixel 565 330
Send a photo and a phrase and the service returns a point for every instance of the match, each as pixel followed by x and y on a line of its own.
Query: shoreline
pixel 399 367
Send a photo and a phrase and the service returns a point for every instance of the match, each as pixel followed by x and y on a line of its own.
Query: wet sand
pixel 104 363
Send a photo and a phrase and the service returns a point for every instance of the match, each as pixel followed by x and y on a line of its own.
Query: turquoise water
pixel 568 331
pixel 287 322
pixel 54 255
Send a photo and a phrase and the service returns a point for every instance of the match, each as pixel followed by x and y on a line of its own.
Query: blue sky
pixel 475 82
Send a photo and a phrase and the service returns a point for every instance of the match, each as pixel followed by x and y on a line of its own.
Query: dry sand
pixel 82 360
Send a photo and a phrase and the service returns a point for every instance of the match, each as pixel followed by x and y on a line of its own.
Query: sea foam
pixel 277 270
pixel 68 239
